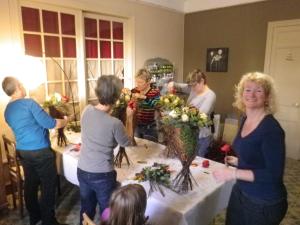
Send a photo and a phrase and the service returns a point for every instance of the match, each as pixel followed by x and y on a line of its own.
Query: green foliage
pixel 188 135
pixel 158 173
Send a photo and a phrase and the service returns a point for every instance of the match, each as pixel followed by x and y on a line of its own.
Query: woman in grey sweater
pixel 201 97
pixel 100 134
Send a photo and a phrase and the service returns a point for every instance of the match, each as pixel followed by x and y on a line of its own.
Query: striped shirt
pixel 146 107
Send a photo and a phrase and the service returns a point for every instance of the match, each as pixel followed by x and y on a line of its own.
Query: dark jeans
pixel 40 171
pixel 244 210
pixel 95 187
pixel 148 132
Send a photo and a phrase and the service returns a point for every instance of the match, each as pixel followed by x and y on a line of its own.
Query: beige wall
pixel 243 29
pixel 156 32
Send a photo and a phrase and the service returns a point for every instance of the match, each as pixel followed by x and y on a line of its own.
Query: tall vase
pixel 186 154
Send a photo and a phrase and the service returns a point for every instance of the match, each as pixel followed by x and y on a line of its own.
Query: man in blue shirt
pixel 30 124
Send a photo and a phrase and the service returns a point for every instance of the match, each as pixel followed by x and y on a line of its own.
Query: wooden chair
pixel 87 220
pixel 16 173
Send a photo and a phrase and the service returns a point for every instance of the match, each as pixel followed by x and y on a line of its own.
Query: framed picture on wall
pixel 217 59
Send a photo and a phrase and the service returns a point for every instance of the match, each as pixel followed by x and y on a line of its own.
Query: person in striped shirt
pixel 147 102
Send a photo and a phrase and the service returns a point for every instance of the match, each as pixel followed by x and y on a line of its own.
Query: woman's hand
pixel 231 160
pixel 139 96
pixel 171 87
pixel 129 111
pixel 225 174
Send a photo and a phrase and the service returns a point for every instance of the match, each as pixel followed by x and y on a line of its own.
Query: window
pixel 51 34
pixel 104 49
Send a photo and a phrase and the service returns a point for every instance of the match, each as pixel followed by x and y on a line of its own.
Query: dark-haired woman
pixel 100 134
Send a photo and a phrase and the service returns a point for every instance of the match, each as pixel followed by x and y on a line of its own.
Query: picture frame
pixel 217 59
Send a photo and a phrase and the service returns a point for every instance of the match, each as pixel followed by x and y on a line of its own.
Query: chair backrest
pixel 12 159
pixel 87 220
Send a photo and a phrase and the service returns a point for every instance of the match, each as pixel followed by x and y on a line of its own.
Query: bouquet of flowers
pixel 158 174
pixel 170 101
pixel 119 111
pixel 56 104
pixel 182 124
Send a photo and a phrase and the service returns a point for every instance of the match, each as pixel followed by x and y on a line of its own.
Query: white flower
pixel 57 97
pixel 173 114
pixel 184 118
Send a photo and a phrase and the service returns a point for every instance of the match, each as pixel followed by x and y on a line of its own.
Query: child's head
pixel 128 205
pixel 142 79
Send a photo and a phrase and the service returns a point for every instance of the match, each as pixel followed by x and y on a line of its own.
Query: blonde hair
pixel 143 74
pixel 196 76
pixel 267 84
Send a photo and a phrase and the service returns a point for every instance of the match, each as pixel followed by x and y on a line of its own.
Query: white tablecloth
pixel 197 207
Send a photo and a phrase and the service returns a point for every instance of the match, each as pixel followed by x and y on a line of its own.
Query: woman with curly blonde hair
pixel 259 196
pixel 266 82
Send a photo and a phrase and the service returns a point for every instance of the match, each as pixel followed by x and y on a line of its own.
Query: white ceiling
pixel 188 6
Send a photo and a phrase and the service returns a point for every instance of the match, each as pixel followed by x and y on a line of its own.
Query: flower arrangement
pixel 181 126
pixel 170 102
pixel 119 111
pixel 158 174
pixel 56 104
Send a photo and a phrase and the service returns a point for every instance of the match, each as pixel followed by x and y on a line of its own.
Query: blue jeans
pixel 202 145
pixel 245 210
pixel 95 188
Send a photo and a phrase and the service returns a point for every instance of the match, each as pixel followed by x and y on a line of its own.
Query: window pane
pixel 69 47
pixel 67 24
pixel 73 89
pixel 50 22
pixel 105 51
pixel 51 46
pixel 91 88
pixel 54 87
pixel 70 69
pixel 92 69
pixel 104 28
pixel 118 30
pixel 31 19
pixel 90 27
pixel 118 50
pixel 33 45
pixel 54 73
pixel 119 68
pixel 106 68
pixel 38 93
pixel 91 48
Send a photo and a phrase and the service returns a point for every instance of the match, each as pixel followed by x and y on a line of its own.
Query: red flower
pixel 205 163
pixel 132 104
pixel 65 99
pixel 225 148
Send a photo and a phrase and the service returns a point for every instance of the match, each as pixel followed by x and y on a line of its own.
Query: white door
pixel 283 63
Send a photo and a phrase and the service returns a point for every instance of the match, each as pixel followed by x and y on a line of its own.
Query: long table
pixel 197 207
